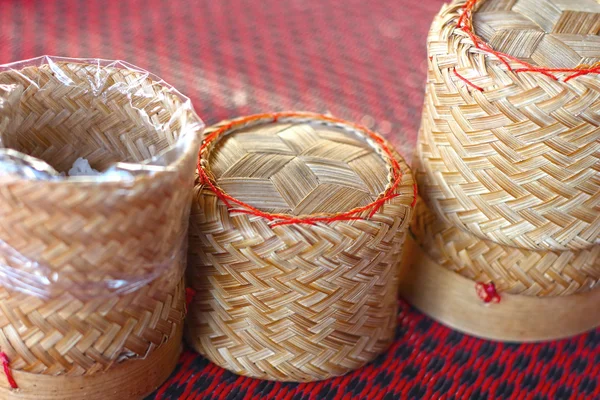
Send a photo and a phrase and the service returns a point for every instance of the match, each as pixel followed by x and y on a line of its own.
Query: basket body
pixel 92 267
pixel 510 156
pixel 295 302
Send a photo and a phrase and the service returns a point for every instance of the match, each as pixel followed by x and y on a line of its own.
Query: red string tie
pixel 189 297
pixel 7 371
pixel 487 292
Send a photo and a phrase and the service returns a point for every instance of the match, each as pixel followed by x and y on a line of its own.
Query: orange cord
pixel 465 23
pixel 468 82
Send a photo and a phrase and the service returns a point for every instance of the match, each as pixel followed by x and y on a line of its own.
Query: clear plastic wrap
pixel 92 235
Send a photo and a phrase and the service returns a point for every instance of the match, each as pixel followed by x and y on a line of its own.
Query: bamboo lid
pixel 299 167
pixel 546 33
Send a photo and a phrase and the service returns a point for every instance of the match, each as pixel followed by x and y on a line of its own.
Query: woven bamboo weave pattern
pixel 551 33
pixel 517 162
pixel 111 251
pixel 513 270
pixel 298 302
pixel 67 336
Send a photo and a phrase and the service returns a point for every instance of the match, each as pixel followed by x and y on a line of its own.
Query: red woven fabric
pixel 362 61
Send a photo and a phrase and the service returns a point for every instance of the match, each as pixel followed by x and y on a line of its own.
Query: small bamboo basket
pixel 91 298
pixel 509 143
pixel 296 233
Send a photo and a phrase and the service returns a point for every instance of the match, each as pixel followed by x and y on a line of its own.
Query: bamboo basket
pixel 296 232
pixel 91 298
pixel 543 295
pixel 508 149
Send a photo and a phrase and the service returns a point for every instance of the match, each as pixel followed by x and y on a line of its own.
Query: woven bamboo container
pixel 508 150
pixel 543 295
pixel 505 244
pixel 296 232
pixel 91 296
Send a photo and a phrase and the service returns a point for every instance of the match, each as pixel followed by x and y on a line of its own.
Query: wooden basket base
pixel 452 300
pixel 133 379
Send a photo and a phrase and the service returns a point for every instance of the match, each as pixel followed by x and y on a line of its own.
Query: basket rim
pixel 188 139
pixel 383 148
pixel 464 23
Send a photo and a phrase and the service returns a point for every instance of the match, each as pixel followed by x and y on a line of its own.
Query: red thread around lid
pixel 468 82
pixel 465 23
pixel 286 219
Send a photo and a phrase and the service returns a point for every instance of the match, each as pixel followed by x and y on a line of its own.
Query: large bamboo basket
pixel 509 145
pixel 543 295
pixel 92 299
pixel 297 279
